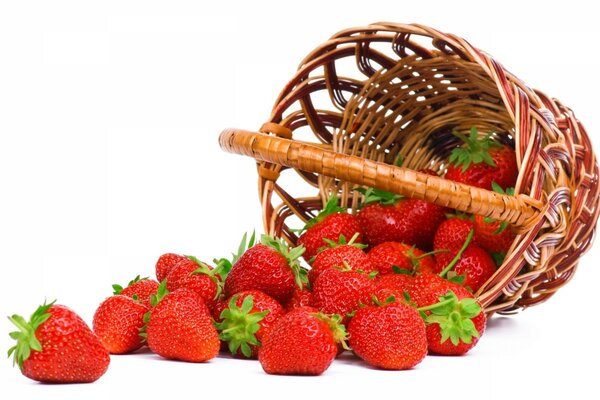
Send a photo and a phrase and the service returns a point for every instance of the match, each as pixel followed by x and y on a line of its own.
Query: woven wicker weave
pixel 372 94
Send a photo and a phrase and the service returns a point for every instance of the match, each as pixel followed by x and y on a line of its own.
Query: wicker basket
pixel 372 94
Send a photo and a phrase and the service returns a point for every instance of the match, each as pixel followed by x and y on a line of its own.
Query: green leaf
pixel 498 258
pixel 397 270
pixel 372 195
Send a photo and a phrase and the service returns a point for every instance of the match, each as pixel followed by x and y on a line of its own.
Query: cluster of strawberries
pixel 393 282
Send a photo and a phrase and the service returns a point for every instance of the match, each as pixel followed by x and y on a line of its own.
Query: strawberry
pixel 387 255
pixel 448 315
pixel 117 323
pixel 180 327
pixel 481 161
pixel 390 336
pixel 330 223
pixel 341 290
pixel 140 289
pixel 56 346
pixel 193 274
pixel 494 236
pixel 247 320
pixel 301 298
pixel 337 254
pixel 394 284
pixel 387 217
pixel 165 263
pixel 476 265
pixel 450 235
pixel 302 342
pixel 271 267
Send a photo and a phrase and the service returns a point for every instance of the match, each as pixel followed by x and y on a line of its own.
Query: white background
pixel 109 118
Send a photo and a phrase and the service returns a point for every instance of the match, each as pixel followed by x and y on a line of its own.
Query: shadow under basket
pixel 374 94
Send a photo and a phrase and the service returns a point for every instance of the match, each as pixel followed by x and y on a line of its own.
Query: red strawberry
pixel 386 255
pixel 165 263
pixel 336 254
pixel 390 336
pixel 392 285
pixel 332 222
pixel 180 328
pixel 270 267
pixel 193 274
pixel 247 320
pixel 140 289
pixel 341 290
pixel 494 236
pixel 117 323
pixel 56 346
pixel 450 235
pixel 421 219
pixel 449 315
pixel 482 161
pixel 476 265
pixel 302 342
pixel 301 298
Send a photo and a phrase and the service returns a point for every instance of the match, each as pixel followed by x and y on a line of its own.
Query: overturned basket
pixel 373 94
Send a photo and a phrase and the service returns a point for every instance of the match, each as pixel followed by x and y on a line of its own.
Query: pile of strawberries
pixel 392 283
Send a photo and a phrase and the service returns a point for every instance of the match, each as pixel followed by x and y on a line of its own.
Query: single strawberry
pixel 450 312
pixel 341 290
pixel 330 223
pixel 302 342
pixel 56 346
pixel 379 218
pixel 165 263
pixel 421 220
pixel 450 236
pixel 302 297
pixel 388 336
pixel 199 277
pixel 271 267
pixel 481 161
pixel 385 256
pixel 475 265
pixel 247 321
pixel 338 253
pixel 140 289
pixel 117 323
pixel 494 236
pixel 180 328
pixel 394 284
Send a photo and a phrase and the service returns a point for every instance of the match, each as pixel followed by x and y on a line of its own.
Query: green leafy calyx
pixel 331 207
pixel 454 318
pixel 239 325
pixel 334 322
pixel 117 289
pixel 25 336
pixel 224 265
pixel 372 195
pixel 291 255
pixel 476 150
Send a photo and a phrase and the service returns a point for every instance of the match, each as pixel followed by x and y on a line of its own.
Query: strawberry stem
pixel 458 255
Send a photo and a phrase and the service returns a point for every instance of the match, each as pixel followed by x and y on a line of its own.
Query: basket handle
pixel 519 210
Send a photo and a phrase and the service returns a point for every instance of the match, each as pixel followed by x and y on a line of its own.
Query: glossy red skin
pixel 476 265
pixel 392 285
pixel 181 328
pixel 260 302
pixel 181 276
pixel 426 290
pixel 388 254
pixel 71 352
pixel 301 298
pixel 299 344
pixel 481 175
pixel 389 337
pixel 117 323
pixel 336 257
pixel 331 227
pixel 380 223
pixel 142 290
pixel 262 268
pixel 450 235
pixel 341 292
pixel 421 220
pixel 486 236
pixel 165 263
